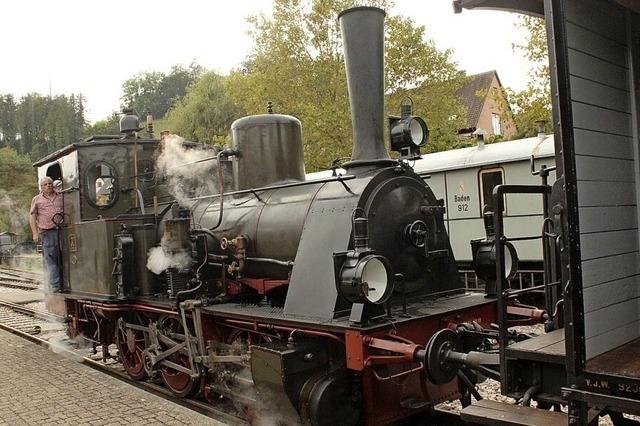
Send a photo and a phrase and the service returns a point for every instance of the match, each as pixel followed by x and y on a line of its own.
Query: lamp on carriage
pixel 484 252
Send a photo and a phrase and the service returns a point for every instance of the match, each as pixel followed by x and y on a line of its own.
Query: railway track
pixel 21 273
pixel 13 283
pixel 28 319
pixel 32 322
pixel 114 369
pixel 15 278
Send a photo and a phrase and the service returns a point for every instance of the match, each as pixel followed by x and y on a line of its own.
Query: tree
pixel 30 116
pixel 108 126
pixel 206 112
pixel 157 92
pixel 7 121
pixel 19 185
pixel 297 63
pixel 534 102
pixel 417 69
pixel 63 124
pixel 42 124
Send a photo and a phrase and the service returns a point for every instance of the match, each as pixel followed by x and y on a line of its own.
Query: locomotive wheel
pixel 244 338
pixel 327 399
pixel 131 344
pixel 178 382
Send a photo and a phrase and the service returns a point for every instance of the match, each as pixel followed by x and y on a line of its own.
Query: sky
pixel 91 47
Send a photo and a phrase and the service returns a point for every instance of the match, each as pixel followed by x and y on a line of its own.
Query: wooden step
pixel 487 412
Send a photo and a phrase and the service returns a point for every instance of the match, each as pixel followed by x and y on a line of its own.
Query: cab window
pixel 54 171
pixel 101 184
pixel 489 179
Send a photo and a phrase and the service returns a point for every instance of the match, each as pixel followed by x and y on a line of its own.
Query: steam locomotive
pixel 316 297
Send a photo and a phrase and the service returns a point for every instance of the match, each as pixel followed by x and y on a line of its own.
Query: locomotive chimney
pixel 363 40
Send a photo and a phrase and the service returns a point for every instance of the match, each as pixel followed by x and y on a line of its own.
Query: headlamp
pixel 366 279
pixel 407 135
pixel 408 132
pixel 485 260
pixel 363 278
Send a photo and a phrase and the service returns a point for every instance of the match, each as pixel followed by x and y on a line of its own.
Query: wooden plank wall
pixel 606 170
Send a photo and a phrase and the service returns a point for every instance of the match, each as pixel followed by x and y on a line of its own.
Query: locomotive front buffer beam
pixel 441 358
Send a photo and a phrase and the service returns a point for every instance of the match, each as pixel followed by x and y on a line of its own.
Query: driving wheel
pixel 179 382
pixel 131 344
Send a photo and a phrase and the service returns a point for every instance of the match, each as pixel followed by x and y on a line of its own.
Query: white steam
pixel 59 343
pixel 187 175
pixel 160 260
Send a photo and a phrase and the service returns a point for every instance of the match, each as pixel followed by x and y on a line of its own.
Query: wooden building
pixel 594 50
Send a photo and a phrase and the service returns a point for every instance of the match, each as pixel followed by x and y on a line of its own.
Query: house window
pixel 495 124
pixel 489 179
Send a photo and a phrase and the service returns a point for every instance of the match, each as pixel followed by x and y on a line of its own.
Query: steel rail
pixel 20 272
pixel 45 316
pixel 194 405
pixel 11 283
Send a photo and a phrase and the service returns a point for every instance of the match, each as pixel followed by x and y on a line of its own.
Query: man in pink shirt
pixel 44 207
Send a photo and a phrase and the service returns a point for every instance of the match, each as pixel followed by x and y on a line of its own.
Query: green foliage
pixel 109 126
pixel 38 125
pixel 416 69
pixel 501 98
pixel 534 102
pixel 531 105
pixel 297 63
pixel 162 124
pixel 31 128
pixel 157 92
pixel 206 112
pixel 18 186
pixel 7 121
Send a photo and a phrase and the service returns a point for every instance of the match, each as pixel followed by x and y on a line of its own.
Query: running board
pixel 487 412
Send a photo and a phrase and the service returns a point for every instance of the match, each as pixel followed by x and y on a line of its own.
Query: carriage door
pixel 489 179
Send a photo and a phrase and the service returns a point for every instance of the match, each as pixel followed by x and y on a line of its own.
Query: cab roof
pixel 92 141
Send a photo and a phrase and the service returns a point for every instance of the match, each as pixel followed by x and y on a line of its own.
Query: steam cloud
pixel 186 177
pixel 159 259
pixel 59 343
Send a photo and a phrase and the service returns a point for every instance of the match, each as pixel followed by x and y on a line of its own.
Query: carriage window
pixel 489 179
pixel 101 184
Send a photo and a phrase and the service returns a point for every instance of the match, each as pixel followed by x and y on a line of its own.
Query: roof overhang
pixel 527 7
pixel 88 143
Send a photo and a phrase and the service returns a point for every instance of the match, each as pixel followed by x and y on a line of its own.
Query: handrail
pixel 502 289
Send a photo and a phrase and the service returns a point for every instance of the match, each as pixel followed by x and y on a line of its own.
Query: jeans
pixel 51 257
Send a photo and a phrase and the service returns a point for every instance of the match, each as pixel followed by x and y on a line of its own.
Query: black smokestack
pixel 363 39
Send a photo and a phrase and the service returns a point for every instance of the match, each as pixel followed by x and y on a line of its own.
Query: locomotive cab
pixel 106 182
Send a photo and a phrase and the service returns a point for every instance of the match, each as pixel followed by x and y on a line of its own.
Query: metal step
pixel 487 412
